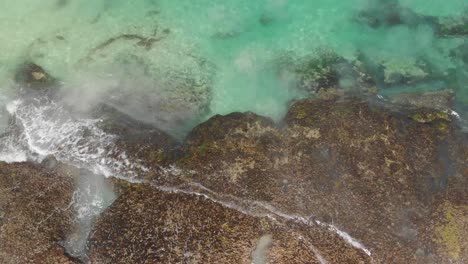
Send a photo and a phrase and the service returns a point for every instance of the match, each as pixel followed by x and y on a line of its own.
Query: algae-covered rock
pixel 451 231
pixel 319 72
pixel 397 72
pixel 36 213
pixel 453 26
pixel 430 116
pixel 404 71
pixel 375 169
pixel 247 142
pixel 146 225
pixel 339 180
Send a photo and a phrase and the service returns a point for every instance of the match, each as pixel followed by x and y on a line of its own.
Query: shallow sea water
pixel 176 63
pixel 241 40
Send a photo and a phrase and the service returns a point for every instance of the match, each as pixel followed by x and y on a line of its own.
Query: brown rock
pixel 376 172
pixel 36 214
pixel 146 225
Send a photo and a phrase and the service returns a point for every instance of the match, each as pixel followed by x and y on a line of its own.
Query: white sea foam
pixel 11 150
pixel 47 128
pixel 43 127
pixel 11 155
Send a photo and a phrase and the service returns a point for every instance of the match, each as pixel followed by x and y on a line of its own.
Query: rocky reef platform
pixel 341 179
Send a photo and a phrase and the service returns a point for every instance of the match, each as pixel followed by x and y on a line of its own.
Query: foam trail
pixel 259 255
pixel 319 256
pixel 259 209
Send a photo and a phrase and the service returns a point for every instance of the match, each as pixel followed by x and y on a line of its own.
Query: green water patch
pixel 234 55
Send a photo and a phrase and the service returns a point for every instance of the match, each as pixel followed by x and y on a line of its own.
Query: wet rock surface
pixel 379 173
pixel 440 100
pixel 146 225
pixel 35 213
pixel 140 140
pixel 392 174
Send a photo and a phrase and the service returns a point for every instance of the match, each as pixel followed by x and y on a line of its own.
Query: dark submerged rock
pixel 34 77
pixel 327 72
pixel 460 53
pixel 266 20
pixel 140 140
pixel 453 27
pixel 388 13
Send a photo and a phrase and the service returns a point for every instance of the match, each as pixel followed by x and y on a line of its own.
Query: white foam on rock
pixel 11 155
pixel 10 149
pixel 47 128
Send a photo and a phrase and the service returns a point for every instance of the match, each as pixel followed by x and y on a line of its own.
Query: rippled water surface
pixel 232 47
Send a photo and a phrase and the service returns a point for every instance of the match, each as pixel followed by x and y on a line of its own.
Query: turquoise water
pixel 215 57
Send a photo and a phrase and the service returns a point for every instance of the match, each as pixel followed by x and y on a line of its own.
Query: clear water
pixel 207 57
pixel 242 40
pixel 176 63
